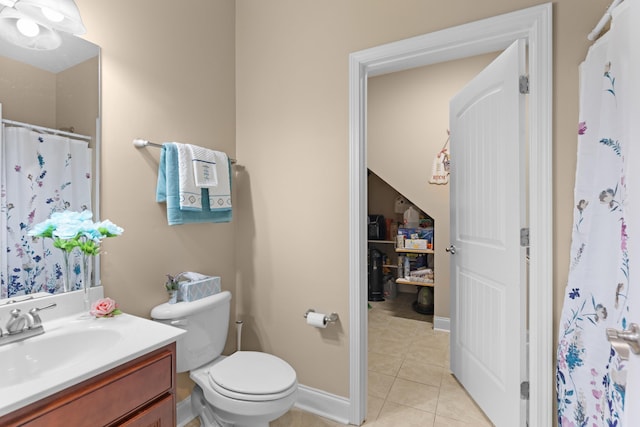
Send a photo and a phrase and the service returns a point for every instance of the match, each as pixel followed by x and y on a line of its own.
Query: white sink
pixel 37 357
pixel 72 349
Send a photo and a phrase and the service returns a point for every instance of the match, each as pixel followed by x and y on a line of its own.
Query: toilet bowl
pixel 247 388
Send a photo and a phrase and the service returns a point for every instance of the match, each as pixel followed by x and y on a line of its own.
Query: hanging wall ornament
pixel 440 168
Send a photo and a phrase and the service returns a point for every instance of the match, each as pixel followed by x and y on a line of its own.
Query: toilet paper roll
pixel 316 320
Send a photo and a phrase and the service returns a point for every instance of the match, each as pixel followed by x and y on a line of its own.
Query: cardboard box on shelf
pixel 415 244
pixel 417 233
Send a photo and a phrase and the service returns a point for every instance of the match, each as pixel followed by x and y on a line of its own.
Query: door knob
pixel 451 249
pixel 630 336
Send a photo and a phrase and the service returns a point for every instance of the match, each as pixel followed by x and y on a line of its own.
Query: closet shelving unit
pixel 402 280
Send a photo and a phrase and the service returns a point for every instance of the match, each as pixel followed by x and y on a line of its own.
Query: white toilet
pixel 247 388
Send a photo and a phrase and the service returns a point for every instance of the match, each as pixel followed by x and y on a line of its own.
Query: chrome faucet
pixel 23 325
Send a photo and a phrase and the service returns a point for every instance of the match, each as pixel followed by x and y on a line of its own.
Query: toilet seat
pixel 252 376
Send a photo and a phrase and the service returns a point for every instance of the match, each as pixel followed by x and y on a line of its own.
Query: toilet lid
pixel 253 373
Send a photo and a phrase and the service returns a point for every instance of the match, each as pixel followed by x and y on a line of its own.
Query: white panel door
pixel 488 272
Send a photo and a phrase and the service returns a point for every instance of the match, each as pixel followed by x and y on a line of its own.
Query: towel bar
pixel 141 143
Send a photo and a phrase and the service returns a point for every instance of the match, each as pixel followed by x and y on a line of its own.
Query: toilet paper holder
pixel 333 317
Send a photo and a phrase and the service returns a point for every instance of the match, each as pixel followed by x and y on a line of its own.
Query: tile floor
pixel 409 379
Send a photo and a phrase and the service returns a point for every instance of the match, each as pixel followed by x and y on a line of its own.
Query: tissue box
pixel 197 289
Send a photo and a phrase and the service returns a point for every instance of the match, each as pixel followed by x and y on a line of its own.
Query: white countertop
pixel 73 348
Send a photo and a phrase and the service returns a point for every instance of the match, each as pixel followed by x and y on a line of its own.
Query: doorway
pixel 489 35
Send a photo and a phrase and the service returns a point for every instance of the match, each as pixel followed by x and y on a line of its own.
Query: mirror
pixel 57 89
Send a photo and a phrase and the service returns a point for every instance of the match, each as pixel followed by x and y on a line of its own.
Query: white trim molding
pixel 184 413
pixel 488 35
pixel 326 405
pixel 442 324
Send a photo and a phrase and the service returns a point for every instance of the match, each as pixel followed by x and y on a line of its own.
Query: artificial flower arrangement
pixel 105 307
pixel 172 283
pixel 70 229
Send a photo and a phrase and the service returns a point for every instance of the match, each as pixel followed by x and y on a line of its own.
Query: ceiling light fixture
pixel 52 15
pixel 34 23
pixel 61 15
pixel 25 32
pixel 27 27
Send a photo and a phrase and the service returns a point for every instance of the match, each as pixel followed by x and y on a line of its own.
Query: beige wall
pixel 27 94
pixel 408 118
pixel 169 75
pixel 66 99
pixel 77 98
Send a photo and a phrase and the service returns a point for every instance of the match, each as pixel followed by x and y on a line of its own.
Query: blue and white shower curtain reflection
pixel 39 174
pixel 591 377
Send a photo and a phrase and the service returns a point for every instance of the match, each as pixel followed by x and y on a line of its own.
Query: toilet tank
pixel 206 321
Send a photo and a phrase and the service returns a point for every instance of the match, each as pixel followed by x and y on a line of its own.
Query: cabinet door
pixel 121 395
pixel 161 414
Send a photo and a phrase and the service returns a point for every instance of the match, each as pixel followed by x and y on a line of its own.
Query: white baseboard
pixel 184 412
pixel 326 405
pixel 441 323
pixel 318 402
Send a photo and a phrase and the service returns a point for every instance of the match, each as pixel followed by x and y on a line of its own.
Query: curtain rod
pixel 140 143
pixel 603 21
pixel 48 130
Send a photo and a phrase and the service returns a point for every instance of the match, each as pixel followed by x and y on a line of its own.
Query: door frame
pixel 533 24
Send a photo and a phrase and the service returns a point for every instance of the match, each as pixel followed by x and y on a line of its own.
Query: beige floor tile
pixel 374 405
pixel 379 384
pixel 385 363
pixel 449 381
pixel 403 326
pixel 440 340
pixel 414 395
pixel 423 351
pixel 455 403
pixel 378 319
pixel 450 422
pixel 391 343
pixel 290 419
pixel 425 330
pixel 421 372
pixel 396 415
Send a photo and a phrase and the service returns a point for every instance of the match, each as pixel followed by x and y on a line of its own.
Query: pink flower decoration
pixel 105 307
pixel 582 128
pixel 597 393
pixel 623 236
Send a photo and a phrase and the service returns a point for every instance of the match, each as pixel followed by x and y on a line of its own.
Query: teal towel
pixel 168 191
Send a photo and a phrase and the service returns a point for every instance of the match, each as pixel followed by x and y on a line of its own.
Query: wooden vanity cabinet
pixel 139 393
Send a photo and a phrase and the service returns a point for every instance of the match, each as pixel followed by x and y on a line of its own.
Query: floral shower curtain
pixel 40 174
pixel 591 376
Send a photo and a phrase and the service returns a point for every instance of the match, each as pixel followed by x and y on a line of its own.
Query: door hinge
pixel 524 390
pixel 524 84
pixel 524 237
